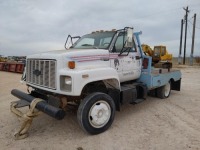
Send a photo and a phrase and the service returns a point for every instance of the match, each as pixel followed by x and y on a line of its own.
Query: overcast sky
pixel 28 27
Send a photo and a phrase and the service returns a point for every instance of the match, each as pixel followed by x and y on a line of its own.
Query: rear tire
pixel 164 91
pixel 96 113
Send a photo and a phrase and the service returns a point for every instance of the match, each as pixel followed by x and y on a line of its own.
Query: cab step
pixel 138 101
pixel 133 93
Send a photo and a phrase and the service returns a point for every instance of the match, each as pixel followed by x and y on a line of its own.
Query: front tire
pixel 164 91
pixel 96 113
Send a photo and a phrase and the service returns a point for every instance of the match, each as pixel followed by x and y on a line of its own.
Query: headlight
pixel 68 80
pixel 65 83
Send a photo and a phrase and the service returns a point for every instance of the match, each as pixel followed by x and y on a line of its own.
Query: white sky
pixel 32 26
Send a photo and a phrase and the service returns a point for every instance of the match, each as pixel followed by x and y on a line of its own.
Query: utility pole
pixel 193 37
pixel 186 21
pixel 180 47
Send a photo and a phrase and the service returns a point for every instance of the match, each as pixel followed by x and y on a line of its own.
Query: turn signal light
pixel 71 64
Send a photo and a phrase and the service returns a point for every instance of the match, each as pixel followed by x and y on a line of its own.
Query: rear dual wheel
pixel 164 91
pixel 96 113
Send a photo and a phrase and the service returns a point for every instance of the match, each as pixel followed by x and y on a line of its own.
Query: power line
pixel 192 24
pixel 189 31
pixel 194 5
pixel 161 12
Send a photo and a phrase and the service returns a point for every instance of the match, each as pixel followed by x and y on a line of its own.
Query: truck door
pixel 127 62
pixel 132 63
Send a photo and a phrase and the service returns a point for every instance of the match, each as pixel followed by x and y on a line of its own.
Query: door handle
pixel 137 57
pixel 105 59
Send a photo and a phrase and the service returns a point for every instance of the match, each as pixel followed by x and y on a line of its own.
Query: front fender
pixel 83 77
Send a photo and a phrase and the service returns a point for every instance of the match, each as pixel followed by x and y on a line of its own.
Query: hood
pixel 82 57
pixel 69 53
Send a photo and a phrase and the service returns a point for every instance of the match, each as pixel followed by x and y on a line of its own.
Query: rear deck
pixel 157 77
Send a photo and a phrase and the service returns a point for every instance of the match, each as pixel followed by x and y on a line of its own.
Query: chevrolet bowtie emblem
pixel 37 72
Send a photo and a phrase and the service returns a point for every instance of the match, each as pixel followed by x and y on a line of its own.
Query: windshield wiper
pixel 87 45
pixel 90 45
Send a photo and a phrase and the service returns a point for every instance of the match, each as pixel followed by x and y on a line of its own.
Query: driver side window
pixel 118 44
pixel 117 48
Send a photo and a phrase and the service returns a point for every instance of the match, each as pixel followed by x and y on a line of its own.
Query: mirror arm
pixel 69 36
pixel 67 40
pixel 122 51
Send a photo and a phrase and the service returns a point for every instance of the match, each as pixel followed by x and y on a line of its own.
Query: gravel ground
pixel 171 124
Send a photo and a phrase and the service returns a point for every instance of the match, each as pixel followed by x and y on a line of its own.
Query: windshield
pixel 98 40
pixel 157 50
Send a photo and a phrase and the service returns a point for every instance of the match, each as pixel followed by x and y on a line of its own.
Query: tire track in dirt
pixel 179 120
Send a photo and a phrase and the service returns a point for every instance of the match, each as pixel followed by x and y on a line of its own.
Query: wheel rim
pixel 99 114
pixel 167 89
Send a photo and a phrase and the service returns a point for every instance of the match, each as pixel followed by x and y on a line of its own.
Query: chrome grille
pixel 41 72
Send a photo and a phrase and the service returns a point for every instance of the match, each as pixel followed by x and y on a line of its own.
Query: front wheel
pixel 96 113
pixel 164 91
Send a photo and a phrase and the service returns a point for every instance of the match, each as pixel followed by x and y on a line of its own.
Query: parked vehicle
pixel 160 56
pixel 98 73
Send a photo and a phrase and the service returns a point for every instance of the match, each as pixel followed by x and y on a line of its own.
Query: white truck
pixel 98 73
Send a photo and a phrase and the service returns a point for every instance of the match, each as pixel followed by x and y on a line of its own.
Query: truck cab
pixel 125 60
pixel 161 54
pixel 103 56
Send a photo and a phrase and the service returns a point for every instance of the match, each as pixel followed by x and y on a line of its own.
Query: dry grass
pixel 197 59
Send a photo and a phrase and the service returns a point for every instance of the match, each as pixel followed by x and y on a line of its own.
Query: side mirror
pixel 129 38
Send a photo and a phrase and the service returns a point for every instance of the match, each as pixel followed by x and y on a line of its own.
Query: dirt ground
pixel 171 124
